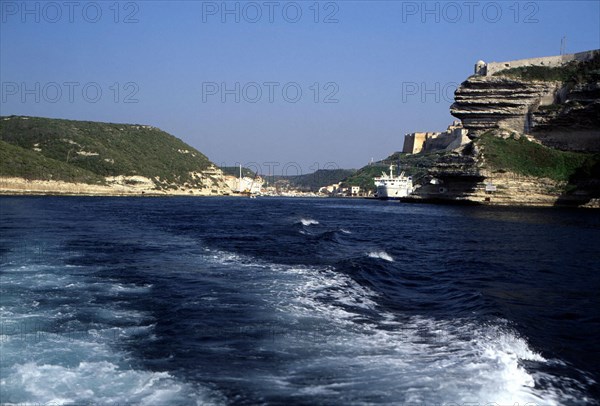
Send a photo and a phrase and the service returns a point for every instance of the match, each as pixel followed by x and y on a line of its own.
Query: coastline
pixel 12 186
pixel 23 187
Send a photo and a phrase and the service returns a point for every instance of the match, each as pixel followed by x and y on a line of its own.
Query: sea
pixel 291 301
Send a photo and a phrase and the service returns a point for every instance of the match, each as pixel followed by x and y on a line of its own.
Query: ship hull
pixel 392 193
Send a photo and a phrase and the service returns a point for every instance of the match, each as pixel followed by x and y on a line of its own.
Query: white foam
pixel 381 255
pixel 321 312
pixel 420 359
pixel 49 357
pixel 445 369
pixel 100 382
pixel 123 288
pixel 308 222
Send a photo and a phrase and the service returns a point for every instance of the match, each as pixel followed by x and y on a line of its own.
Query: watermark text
pixel 71 92
pixel 253 12
pixel 69 11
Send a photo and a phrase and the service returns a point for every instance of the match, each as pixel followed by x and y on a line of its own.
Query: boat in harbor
pixel 393 187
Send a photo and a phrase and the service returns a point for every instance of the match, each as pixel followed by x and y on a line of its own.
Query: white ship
pixel 393 187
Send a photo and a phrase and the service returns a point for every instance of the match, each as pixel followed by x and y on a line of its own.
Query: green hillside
pixel 532 159
pixel 20 162
pixel 316 180
pixel 43 148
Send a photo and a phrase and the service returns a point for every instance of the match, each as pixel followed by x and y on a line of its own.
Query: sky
pixel 286 87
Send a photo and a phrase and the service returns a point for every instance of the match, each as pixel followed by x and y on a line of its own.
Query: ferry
pixel 393 187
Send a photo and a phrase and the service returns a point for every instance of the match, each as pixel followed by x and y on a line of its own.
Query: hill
pixel 36 148
pixel 20 162
pixel 312 182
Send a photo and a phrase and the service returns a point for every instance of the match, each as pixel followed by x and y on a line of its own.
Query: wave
pixel 336 337
pixel 101 382
pixel 308 222
pixel 331 326
pixel 124 289
pixel 380 255
pixel 64 338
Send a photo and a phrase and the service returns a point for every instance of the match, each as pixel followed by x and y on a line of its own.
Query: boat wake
pixel 178 314
pixel 331 327
pixel 60 346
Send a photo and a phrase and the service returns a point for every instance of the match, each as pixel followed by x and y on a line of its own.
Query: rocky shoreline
pixel 21 186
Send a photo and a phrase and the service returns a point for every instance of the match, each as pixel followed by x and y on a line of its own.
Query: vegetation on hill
pixel 19 162
pixel 316 180
pixel 573 72
pixel 531 159
pixel 94 150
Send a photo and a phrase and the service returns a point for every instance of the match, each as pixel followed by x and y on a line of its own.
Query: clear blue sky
pixel 390 65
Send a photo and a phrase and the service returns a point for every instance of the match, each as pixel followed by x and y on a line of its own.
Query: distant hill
pixel 310 182
pixel 38 148
pixel 316 180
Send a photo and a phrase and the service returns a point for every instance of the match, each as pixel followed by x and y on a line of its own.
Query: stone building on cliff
pixel 454 136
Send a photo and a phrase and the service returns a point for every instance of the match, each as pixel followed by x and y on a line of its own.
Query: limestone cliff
pixel 558 106
pixel 489 102
pixel 572 123
pixel 535 131
pixel 506 168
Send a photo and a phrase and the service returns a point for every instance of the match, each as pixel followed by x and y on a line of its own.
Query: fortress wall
pixel 409 144
pixel 413 143
pixel 548 61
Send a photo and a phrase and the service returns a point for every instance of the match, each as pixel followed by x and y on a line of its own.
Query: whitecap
pixel 308 222
pixel 381 255
pixel 130 288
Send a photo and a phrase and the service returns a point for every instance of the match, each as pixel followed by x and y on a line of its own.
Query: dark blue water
pixel 176 301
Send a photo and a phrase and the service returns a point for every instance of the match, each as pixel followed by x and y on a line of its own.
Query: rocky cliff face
pixel 488 102
pixel 475 174
pixel 535 134
pixel 572 123
pixel 559 107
